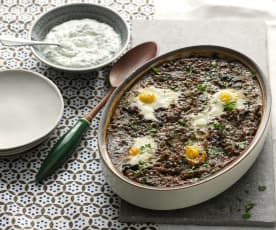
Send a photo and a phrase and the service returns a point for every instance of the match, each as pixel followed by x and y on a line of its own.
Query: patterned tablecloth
pixel 77 197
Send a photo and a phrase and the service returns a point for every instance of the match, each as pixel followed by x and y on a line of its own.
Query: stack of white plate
pixel 31 106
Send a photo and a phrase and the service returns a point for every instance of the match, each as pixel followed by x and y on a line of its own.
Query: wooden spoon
pixel 69 141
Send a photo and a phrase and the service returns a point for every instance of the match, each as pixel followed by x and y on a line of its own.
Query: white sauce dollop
pixel 84 43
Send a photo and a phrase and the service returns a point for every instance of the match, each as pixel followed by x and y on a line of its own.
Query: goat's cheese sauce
pixel 83 43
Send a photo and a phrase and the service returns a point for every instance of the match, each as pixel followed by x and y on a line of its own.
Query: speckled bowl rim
pixel 85 69
pixel 139 73
pixel 32 143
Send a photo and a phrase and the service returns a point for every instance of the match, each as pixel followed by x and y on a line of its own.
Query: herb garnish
pixel 241 144
pixel 169 143
pixel 191 70
pixel 249 206
pixel 182 122
pixel 201 87
pixel 246 215
pixel 262 188
pixel 230 106
pixel 253 74
pixel 206 163
pixel 151 129
pixel 214 151
pixel 214 64
pixel 146 149
pixel 208 75
pixel 141 168
pixel 213 171
pixel 133 125
pixel 155 69
pixel 218 126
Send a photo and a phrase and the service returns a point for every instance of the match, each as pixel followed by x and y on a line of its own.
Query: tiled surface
pixel 77 197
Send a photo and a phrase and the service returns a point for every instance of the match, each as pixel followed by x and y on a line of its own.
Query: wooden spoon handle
pixel 96 109
pixel 63 149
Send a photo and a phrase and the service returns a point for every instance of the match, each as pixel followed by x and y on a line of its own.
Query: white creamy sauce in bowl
pixel 83 43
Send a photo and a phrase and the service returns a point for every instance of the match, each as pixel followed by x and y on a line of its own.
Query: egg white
pixel 164 98
pixel 216 107
pixel 145 156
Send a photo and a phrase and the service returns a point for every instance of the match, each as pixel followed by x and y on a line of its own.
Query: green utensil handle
pixel 63 149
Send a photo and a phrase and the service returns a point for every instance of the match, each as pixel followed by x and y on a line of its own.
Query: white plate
pixel 30 108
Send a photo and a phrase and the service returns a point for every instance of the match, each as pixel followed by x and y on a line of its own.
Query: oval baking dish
pixel 181 196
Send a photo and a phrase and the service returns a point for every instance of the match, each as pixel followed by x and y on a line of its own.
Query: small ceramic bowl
pixel 31 107
pixel 56 16
pixel 191 194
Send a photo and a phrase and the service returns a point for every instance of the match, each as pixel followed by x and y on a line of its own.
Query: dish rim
pixel 135 77
pixel 59 117
pixel 85 69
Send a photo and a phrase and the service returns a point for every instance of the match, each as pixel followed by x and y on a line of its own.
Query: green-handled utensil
pixel 63 149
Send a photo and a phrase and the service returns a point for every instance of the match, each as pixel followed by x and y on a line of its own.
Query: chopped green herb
pixel 213 171
pixel 214 64
pixel 262 188
pixel 246 215
pixel 246 191
pixel 191 70
pixel 155 69
pixel 201 88
pixel 214 151
pixel 163 77
pixel 206 163
pixel 190 142
pixel 145 179
pixel 241 144
pixel 146 149
pixel 208 75
pixel 249 206
pixel 151 129
pixel 169 143
pixel 223 83
pixel 182 122
pixel 253 74
pixel 176 131
pixel 133 125
pixel 230 106
pixel 218 126
pixel 141 168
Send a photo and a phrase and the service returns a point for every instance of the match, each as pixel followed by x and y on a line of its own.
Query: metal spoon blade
pixel 7 41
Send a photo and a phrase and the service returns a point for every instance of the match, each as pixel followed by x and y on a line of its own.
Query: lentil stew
pixel 185 120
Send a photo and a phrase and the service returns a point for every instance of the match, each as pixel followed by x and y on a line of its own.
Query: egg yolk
pixel 192 151
pixel 134 151
pixel 147 97
pixel 199 160
pixel 225 97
